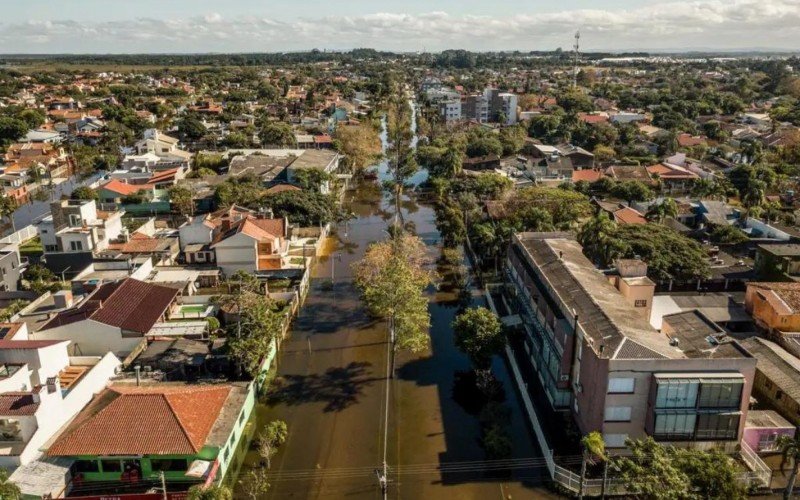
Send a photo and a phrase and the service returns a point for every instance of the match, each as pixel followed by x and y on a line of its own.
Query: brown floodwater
pixel 331 387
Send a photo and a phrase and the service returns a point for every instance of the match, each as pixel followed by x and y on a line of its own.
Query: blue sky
pixel 100 26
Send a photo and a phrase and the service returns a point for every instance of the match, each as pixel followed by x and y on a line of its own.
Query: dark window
pixel 87 466
pixel 111 465
pixel 778 394
pixel 717 426
pixel 168 464
pixel 720 395
pixel 640 303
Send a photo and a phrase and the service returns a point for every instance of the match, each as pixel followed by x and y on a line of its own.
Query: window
pixel 75 246
pixel 111 465
pixel 74 220
pixel 241 417
pixel 51 248
pixel 718 426
pixel 615 440
pixel 87 466
pixel 674 426
pixel 620 385
pixel 168 464
pixel 723 394
pixel 778 394
pixel 640 303
pixel 618 414
pixel 677 393
pixel 10 430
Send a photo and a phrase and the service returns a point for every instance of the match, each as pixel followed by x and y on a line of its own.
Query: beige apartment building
pixel 589 341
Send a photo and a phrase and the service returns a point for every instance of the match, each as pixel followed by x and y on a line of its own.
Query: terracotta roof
pixel 586 175
pixel 17 403
pixel 166 175
pixel 592 118
pixel 129 305
pixel 787 292
pixel 150 420
pixel 28 344
pixel 123 188
pixel 258 229
pixel 280 188
pixel 628 215
pixel 671 172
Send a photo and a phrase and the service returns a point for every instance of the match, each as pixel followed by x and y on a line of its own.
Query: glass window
pixel 678 393
pixel 87 466
pixel 721 395
pixel 618 414
pixel 168 464
pixel 620 385
pixel 111 465
pixel 674 425
pixel 718 426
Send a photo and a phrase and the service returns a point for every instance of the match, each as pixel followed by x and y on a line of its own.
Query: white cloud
pixel 681 24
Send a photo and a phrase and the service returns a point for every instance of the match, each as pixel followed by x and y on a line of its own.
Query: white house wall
pixel 235 253
pixel 90 338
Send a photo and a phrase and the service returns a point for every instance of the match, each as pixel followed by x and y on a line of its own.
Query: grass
pixel 30 247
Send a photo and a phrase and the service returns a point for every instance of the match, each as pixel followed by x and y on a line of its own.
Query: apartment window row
pixel 699 393
pixel 696 426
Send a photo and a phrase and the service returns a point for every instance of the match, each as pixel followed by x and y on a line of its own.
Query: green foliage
pixel 11 130
pixel 484 145
pixel 211 492
pixel 479 334
pixel 546 207
pixel 631 191
pixel 304 208
pixel 665 472
pixel 727 235
pixel 311 178
pixel 182 199
pixel 13 308
pixel 84 193
pixel 191 127
pixel 278 134
pixel 668 254
pixel 598 237
pixel 244 191
pixel 8 490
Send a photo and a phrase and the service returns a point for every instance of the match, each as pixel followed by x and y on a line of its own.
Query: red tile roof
pixel 123 188
pixel 586 175
pixel 28 344
pixel 152 420
pixel 628 215
pixel 17 403
pixel 280 188
pixel 131 305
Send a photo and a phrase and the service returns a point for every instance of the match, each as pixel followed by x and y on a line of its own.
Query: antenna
pixel 575 63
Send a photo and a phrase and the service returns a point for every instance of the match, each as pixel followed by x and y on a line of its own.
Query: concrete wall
pixel 236 252
pixel 44 362
pixel 90 338
pixel 19 381
pixel 752 436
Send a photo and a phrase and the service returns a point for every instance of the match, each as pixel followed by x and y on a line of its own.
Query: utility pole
pixel 163 485
pixel 381 475
pixel 575 62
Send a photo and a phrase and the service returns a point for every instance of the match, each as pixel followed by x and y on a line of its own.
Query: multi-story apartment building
pixel 587 338
pixel 450 110
pixel 475 107
pixel 502 106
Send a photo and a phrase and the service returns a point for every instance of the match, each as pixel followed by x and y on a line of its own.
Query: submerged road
pixel 331 383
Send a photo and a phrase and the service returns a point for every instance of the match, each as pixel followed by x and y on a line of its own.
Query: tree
pixel 257 483
pixel 191 127
pixel 182 199
pixel 594 447
pixel 598 237
pixel 11 129
pixel 714 475
pixel 360 145
pixel 210 492
pixel 277 134
pixel 7 208
pixel 392 278
pixel 484 146
pixel 790 452
pixel 311 178
pixel 564 207
pixel 685 258
pixel 84 193
pixel 603 153
pixel 650 472
pixel 304 208
pixel 270 439
pixel 8 490
pixel 660 211
pixel 632 191
pixel 479 334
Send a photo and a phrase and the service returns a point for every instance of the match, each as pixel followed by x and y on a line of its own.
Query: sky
pixel 199 26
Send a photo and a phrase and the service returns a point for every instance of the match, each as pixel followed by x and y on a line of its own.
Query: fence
pixel 21 235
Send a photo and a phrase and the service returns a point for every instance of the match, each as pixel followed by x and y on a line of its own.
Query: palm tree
pixel 790 450
pixel 594 448
pixel 754 193
pixel 660 211
pixel 597 236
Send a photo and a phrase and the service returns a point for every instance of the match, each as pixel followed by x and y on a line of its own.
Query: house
pixel 777 380
pixel 716 212
pixel 11 268
pixel 74 230
pixel 689 141
pixel 775 306
pixel 597 358
pixel 763 428
pixel 322 160
pixel 622 214
pixel 42 388
pixel 778 261
pixel 251 244
pixel 629 173
pixel 162 249
pixel 115 191
pixel 266 167
pixel 114 317
pixel 674 179
pixel 129 433
pixel 165 148
pixel 199 231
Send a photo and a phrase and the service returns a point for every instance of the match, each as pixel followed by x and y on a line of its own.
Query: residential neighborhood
pixel 381 273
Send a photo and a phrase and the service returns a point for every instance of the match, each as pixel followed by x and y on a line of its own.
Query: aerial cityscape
pixel 356 250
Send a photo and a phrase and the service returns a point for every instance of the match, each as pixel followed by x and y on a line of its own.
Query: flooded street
pixel 331 382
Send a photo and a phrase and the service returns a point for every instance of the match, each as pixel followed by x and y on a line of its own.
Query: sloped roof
pixel 123 188
pixel 129 305
pixel 17 404
pixel 154 420
pixel 258 229
pixel 778 365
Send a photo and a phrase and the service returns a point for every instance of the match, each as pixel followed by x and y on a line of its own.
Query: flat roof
pixel 699 337
pixel 178 329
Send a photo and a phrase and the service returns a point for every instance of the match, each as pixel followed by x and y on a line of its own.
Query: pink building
pixel 762 429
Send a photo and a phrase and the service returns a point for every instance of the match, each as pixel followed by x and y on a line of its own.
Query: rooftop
pixel 778 365
pixel 699 337
pixel 144 420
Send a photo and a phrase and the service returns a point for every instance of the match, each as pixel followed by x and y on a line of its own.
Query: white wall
pixel 90 338
pixel 236 252
pixel 193 233
pixel 19 381
pixel 43 362
pixel 55 411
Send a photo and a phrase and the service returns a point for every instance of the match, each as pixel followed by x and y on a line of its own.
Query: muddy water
pixel 331 386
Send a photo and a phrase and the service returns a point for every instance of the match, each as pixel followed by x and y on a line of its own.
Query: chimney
pixel 138 369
